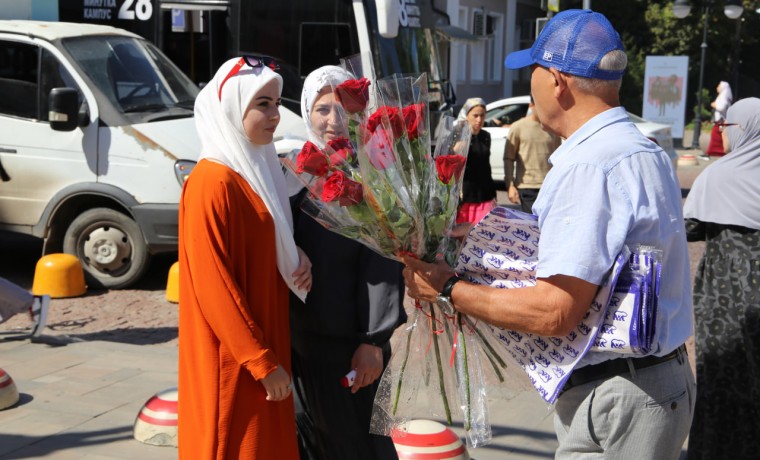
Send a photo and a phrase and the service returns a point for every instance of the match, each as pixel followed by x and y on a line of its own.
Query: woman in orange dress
pixel 237 261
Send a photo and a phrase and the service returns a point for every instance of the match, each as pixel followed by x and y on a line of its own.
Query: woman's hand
pixel 368 363
pixel 277 385
pixel 302 275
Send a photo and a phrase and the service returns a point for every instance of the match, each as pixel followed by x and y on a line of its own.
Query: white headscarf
pixel 223 138
pixel 470 104
pixel 723 101
pixel 318 79
pixel 728 191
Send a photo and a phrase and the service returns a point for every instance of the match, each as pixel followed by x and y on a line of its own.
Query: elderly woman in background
pixel 723 209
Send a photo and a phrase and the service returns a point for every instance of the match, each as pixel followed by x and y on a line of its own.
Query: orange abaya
pixel 233 323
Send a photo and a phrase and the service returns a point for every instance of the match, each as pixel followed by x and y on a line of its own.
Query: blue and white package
pixel 502 252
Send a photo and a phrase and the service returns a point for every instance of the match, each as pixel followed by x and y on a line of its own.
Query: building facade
pixel 470 38
pixel 499 27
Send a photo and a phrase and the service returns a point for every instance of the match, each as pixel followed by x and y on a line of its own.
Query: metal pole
pixel 698 117
pixel 737 59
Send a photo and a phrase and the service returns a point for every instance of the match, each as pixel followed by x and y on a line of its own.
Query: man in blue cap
pixel 609 186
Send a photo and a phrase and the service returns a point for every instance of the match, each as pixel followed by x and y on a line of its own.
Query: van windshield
pixel 133 74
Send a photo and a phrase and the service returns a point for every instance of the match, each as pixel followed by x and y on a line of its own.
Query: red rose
pixel 379 150
pixel 339 143
pixel 338 187
pixel 449 166
pixel 413 118
pixel 394 117
pixel 353 95
pixel 341 151
pixel 311 160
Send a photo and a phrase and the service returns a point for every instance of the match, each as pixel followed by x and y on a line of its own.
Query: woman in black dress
pixel 478 188
pixel 346 323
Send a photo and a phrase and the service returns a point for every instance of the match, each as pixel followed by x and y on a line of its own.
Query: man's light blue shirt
pixel 610 186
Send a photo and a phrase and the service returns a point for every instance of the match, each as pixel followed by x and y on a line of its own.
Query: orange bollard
pixel 58 275
pixel 172 284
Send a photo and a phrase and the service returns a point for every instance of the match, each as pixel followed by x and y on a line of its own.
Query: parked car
pixel 502 113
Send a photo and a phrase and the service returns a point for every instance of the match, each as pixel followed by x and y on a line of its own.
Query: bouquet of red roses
pixel 380 184
pixel 385 186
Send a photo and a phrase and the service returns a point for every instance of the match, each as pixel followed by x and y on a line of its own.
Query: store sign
pixel 129 10
pixel 410 14
pixel 178 20
pixel 134 15
pixel 415 14
pixel 99 9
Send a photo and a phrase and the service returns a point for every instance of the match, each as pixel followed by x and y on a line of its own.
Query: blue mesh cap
pixel 573 42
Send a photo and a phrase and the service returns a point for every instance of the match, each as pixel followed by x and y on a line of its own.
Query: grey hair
pixel 614 60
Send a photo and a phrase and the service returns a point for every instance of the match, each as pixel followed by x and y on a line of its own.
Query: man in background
pixel 528 147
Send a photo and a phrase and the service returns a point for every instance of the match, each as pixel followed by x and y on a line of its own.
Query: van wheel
pixel 110 246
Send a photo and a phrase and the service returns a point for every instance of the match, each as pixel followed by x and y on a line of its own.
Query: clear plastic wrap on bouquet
pixel 443 188
pixel 335 196
pixel 382 186
pixel 394 156
pixel 414 378
pixel 386 191
pixel 444 367
pixel 385 157
pixel 408 96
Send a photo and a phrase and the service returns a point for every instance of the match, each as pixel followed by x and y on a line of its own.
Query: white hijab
pixel 723 101
pixel 223 138
pixel 728 191
pixel 470 104
pixel 318 79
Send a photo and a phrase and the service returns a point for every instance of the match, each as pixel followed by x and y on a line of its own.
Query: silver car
pixel 502 113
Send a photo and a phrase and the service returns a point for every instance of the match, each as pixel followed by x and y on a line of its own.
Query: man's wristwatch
pixel 443 300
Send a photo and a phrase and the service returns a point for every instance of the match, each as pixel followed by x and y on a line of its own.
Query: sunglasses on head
pixel 252 61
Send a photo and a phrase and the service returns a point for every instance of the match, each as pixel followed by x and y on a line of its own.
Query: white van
pixel 97 137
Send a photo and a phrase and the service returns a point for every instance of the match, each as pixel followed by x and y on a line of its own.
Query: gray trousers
pixel 13 300
pixel 641 416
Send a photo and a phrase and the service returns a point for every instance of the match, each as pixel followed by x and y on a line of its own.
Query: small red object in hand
pixel 348 379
